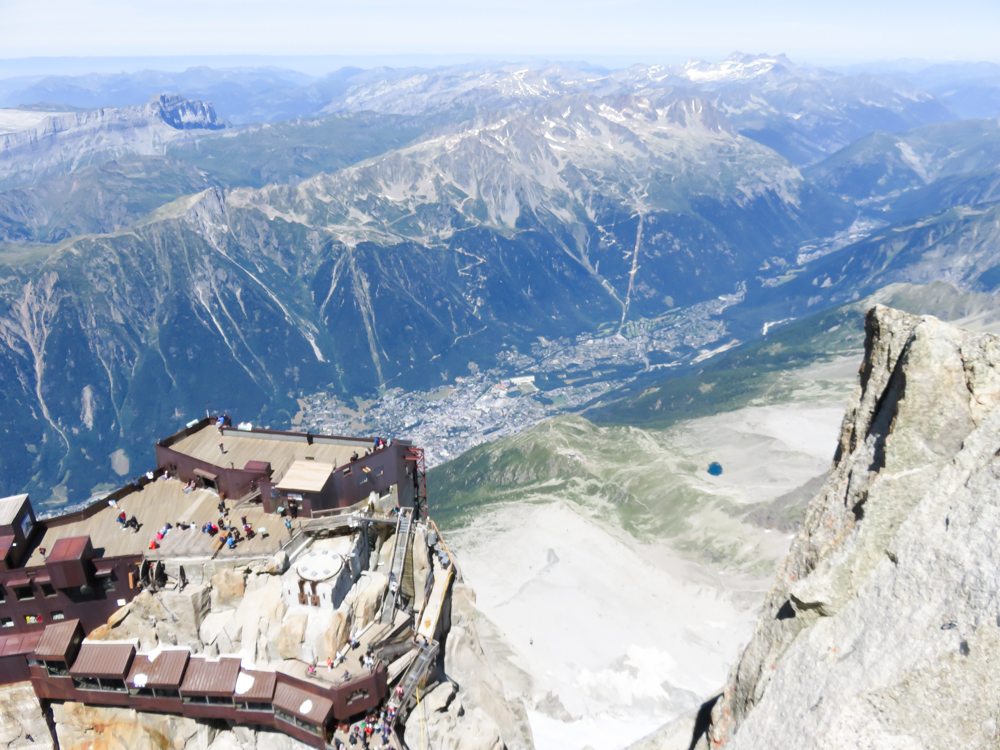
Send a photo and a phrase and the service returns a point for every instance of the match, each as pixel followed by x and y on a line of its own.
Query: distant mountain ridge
pixel 60 142
pixel 159 263
pixel 399 270
pixel 802 114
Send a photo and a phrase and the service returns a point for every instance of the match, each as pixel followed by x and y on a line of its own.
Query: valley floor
pixel 606 636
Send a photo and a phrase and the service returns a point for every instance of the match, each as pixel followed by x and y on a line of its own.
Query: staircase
pixel 417 671
pixel 399 551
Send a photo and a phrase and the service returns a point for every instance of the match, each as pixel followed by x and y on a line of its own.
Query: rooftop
pixel 158 503
pixel 255 685
pixel 307 706
pixel 19 643
pixel 211 677
pixel 9 506
pixel 57 639
pixel 103 660
pixel 280 450
pixel 159 669
pixel 306 476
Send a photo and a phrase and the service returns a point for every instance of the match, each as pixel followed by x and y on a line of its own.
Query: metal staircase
pixel 399 555
pixel 414 675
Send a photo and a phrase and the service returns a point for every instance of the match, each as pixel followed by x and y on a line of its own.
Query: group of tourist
pixel 377 444
pixel 375 726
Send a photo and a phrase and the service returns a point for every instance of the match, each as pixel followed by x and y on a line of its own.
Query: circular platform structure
pixel 319 565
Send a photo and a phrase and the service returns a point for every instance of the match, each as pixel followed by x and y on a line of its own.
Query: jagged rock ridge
pixel 66 141
pixel 881 626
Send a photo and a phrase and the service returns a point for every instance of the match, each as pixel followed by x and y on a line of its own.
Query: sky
pixel 650 31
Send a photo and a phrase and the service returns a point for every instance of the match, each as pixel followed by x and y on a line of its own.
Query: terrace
pixel 157 503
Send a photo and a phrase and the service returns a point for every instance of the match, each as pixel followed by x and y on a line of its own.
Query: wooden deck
pixel 240 448
pixel 155 505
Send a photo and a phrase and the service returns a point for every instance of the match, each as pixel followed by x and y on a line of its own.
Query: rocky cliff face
pixel 66 141
pixel 882 627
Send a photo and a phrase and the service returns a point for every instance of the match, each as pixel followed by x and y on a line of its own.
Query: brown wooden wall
pixel 92 611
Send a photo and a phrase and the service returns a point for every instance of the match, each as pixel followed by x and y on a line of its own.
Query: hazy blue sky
pixel 649 31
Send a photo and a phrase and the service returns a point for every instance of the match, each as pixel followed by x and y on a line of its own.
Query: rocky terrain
pixel 881 626
pixel 64 141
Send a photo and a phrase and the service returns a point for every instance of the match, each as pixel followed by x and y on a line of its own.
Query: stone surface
pixel 366 598
pixel 479 687
pixel 228 587
pixel 293 630
pixel 421 566
pixel 882 627
pixel 440 721
pixel 22 723
pixel 278 563
pixel 173 617
pixel 335 635
pixel 385 554
pixel 80 727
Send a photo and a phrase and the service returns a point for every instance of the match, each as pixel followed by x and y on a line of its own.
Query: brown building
pixel 62 577
pixel 63 666
pixel 316 473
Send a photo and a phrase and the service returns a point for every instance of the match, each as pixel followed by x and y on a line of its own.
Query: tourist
pixel 329 663
pixel 288 525
pixel 354 457
pixel 149 476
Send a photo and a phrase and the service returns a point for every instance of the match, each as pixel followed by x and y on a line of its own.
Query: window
pixel 311 728
pixel 347 471
pixel 108 583
pixel 220 700
pixel 3 595
pixel 58 615
pixel 379 471
pixel 143 692
pixel 166 693
pixel 357 695
pixel 56 669
pixel 48 590
pixel 32 619
pixel 250 706
pixel 117 686
pixel 6 622
pixel 363 479
pixel 86 683
pixel 195 699
pixel 24 593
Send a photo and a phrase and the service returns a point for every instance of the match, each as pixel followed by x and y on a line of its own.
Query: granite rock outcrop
pixel 882 626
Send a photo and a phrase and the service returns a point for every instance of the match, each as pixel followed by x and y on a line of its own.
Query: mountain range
pixel 419 225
